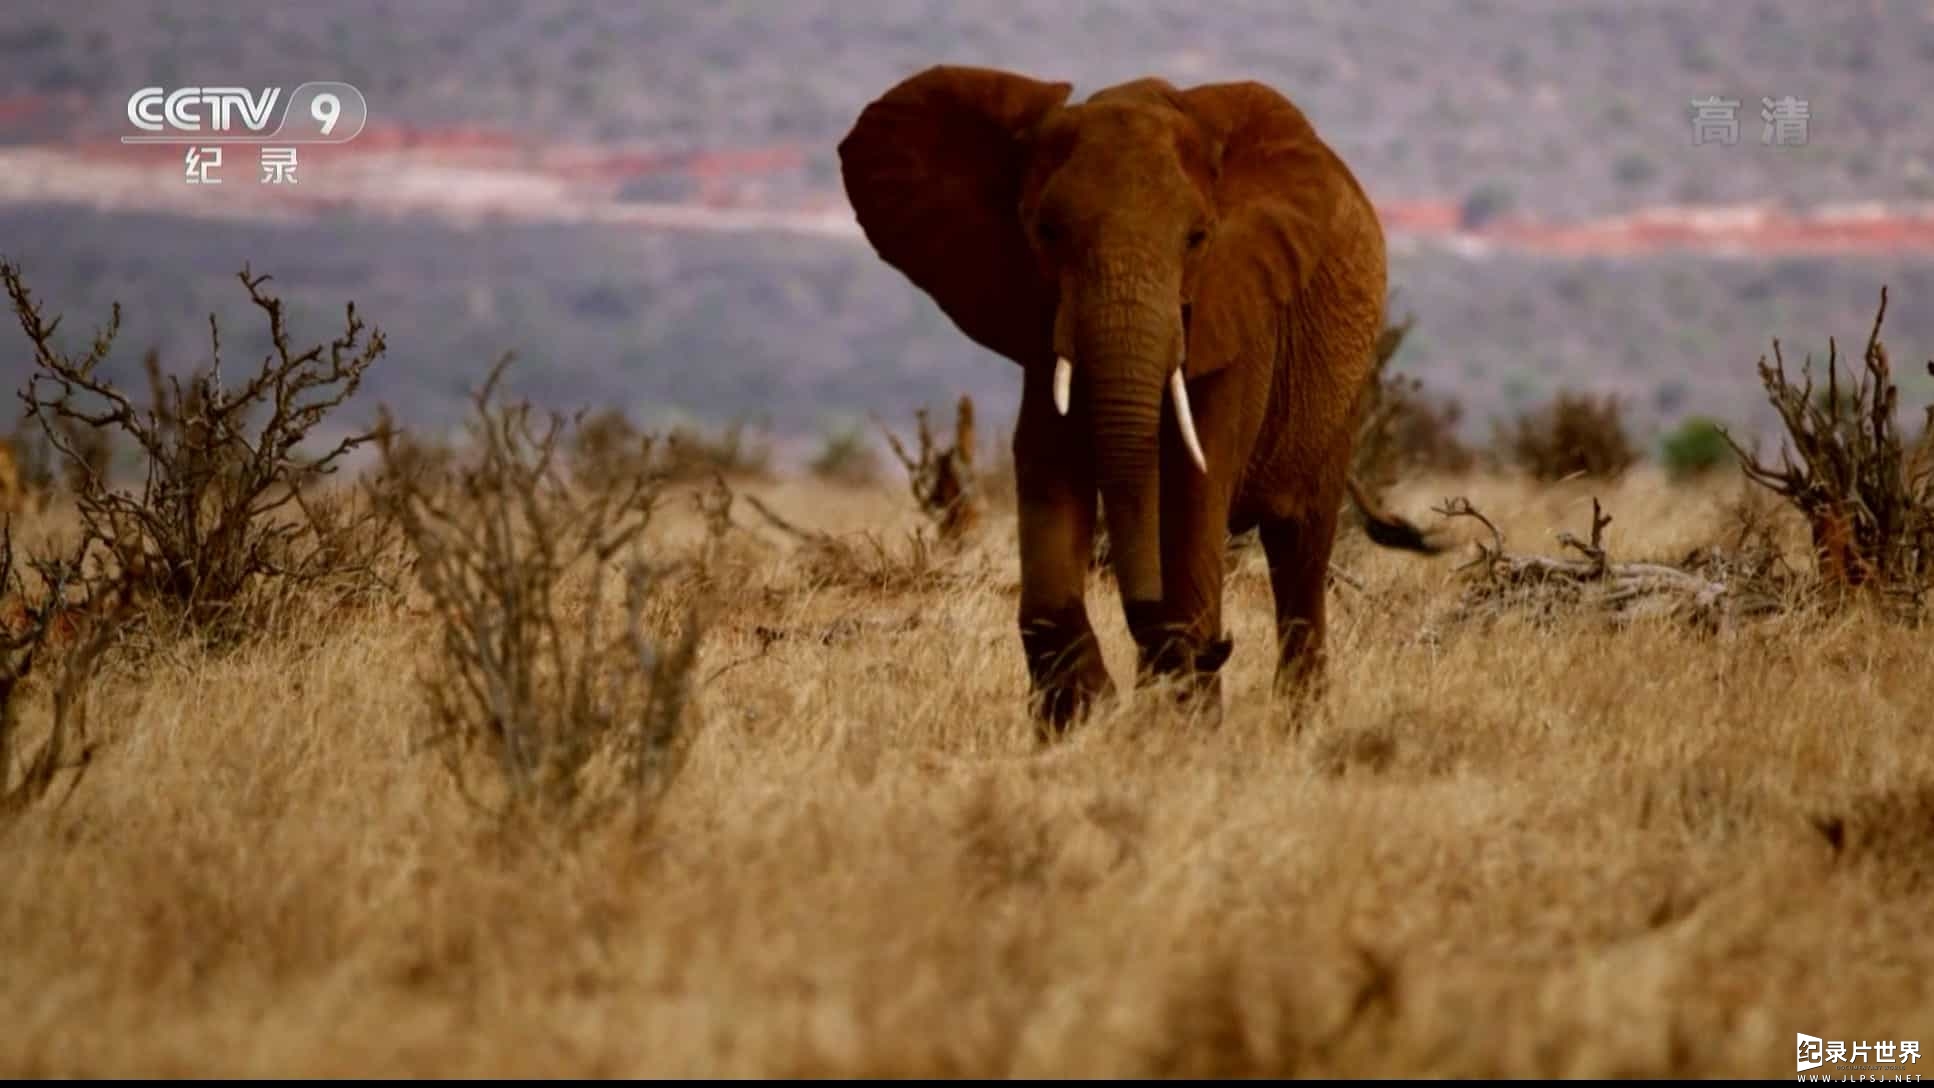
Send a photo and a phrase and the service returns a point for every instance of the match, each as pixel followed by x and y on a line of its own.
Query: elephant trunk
pixel 1127 419
pixel 1126 345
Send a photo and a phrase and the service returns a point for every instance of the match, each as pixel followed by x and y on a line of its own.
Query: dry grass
pixel 1522 850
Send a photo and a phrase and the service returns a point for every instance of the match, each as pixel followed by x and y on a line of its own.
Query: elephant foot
pixel 1199 696
pixel 1065 670
pixel 1303 679
pixel 1057 709
pixel 1167 651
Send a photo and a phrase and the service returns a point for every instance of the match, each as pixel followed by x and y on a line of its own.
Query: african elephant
pixel 1193 284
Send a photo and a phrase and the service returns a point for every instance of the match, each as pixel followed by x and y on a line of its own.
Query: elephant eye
pixel 1197 237
pixel 1048 231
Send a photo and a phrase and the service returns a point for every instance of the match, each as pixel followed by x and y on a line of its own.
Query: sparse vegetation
pixel 690 453
pixel 608 451
pixel 942 478
pixel 1403 430
pixel 847 458
pixel 1866 493
pixel 1636 803
pixel 868 869
pixel 573 718
pixel 1572 435
pixel 865 561
pixel 1714 590
pixel 225 529
pixel 42 469
pixel 1695 447
pixel 862 835
pixel 35 625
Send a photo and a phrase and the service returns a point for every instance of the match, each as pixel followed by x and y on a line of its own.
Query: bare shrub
pixel 1401 429
pixel 607 450
pixel 32 628
pixel 572 713
pixel 1573 435
pixel 846 458
pixel 223 530
pixel 942 478
pixel 1867 494
pixel 689 454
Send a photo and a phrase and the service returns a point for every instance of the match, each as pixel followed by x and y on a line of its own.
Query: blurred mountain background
pixel 1492 109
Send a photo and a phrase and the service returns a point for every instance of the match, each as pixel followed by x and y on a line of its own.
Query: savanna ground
pixel 1509 849
pixel 769 802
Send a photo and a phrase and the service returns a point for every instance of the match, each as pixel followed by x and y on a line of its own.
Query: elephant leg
pixel 1055 486
pixel 1182 637
pixel 1298 549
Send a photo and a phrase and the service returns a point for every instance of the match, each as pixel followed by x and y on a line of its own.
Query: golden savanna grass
pixel 1513 850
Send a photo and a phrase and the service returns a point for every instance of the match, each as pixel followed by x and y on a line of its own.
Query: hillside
pixel 1567 109
pixel 1487 113
pixel 800 336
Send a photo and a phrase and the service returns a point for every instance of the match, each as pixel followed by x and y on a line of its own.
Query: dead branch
pixel 943 480
pixel 1623 590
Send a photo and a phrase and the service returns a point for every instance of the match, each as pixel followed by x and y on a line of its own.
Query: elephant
pixel 1193 284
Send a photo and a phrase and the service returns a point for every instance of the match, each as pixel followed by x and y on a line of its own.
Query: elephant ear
pixel 1277 192
pixel 933 169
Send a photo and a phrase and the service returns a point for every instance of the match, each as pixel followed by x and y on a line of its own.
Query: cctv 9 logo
pixel 323 112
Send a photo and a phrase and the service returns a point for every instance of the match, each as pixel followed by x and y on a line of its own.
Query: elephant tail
pixel 1388 529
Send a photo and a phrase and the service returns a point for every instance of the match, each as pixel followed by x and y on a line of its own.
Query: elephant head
pixel 1125 242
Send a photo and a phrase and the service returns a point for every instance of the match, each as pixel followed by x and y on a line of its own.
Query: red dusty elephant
pixel 1193 285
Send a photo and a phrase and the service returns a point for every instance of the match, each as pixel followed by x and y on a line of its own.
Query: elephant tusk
pixel 1187 419
pixel 1063 379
